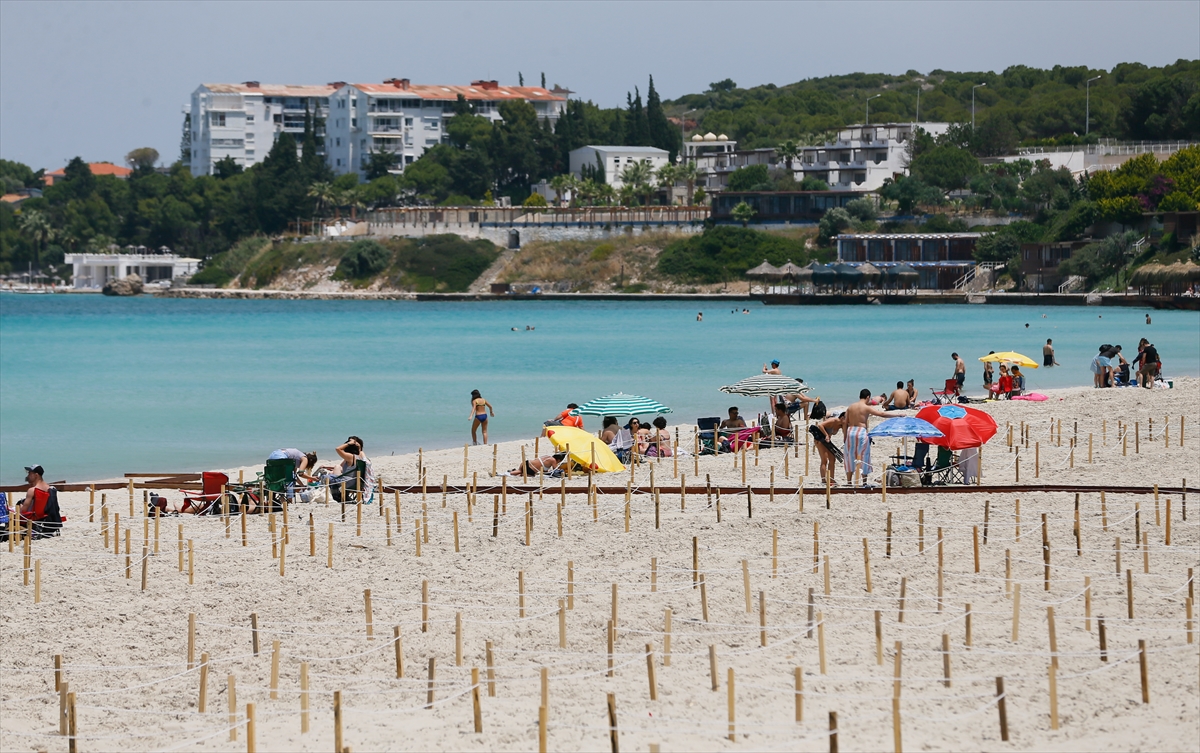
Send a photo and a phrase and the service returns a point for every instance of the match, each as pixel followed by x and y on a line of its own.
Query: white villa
pixel 614 159
pixel 862 156
pixel 94 270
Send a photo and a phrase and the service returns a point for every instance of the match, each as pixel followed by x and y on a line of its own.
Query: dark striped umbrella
pixel 620 404
pixel 766 385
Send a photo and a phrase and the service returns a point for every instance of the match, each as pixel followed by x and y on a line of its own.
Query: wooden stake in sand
pixel 1143 671
pixel 1002 707
pixel 424 606
pixel 191 644
pixel 903 596
pixel 202 704
pixel 431 682
pixel 946 659
pixel 650 672
pixel 798 674
pixel 667 637
pixel 703 598
pixel 476 708
pixel 1016 618
pixel 731 700
pixel 712 667
pixel 1129 591
pixel 821 639
pixel 521 594
pixel 833 732
pixel 1103 639
pixel 608 640
pixel 746 585
pixel 867 564
pixel 1053 637
pixel 570 584
pixel 491 669
pixel 1053 696
pixel 275 656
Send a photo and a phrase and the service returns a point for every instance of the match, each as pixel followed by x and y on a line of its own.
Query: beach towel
pixel 1036 397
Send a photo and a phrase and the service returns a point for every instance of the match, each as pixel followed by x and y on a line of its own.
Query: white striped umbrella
pixel 620 404
pixel 766 385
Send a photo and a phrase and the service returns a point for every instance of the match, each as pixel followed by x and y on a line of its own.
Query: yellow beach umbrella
pixel 1011 357
pixel 584 447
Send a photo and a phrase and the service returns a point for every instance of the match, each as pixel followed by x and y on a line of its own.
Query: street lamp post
pixel 682 137
pixel 1087 118
pixel 973 88
pixel 868 121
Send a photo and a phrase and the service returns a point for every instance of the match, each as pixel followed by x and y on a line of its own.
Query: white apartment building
pixel 243 120
pixel 614 159
pixel 862 156
pixel 405 119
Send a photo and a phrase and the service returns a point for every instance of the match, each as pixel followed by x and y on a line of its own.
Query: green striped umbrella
pixel 620 404
pixel 766 385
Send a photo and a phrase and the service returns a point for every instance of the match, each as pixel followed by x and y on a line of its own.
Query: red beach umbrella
pixel 962 427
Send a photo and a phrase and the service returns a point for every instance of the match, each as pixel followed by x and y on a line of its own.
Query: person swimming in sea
pixel 480 408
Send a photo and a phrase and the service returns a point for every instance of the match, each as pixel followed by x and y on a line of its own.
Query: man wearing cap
pixel 41 503
pixel 774 368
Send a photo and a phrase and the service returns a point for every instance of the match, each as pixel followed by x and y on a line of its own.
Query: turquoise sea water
pixel 92 387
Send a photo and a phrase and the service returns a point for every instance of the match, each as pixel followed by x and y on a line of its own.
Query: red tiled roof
pixel 97 168
pixel 437 92
pixel 273 90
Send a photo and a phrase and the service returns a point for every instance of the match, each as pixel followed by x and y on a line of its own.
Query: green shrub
pixel 364 259
pixel 724 253
pixel 212 274
pixel 602 252
pixel 445 263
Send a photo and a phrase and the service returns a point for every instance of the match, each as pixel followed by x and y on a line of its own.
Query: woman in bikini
pixel 828 451
pixel 480 409
pixel 658 439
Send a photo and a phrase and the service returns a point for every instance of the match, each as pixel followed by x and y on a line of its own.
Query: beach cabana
pixel 1168 279
pixel 870 274
pixel 764 271
pixel 848 276
pixel 823 275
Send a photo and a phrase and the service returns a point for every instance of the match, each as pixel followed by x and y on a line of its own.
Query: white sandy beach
pixel 125 649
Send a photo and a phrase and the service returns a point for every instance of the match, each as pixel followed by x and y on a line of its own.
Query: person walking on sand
pixel 857 450
pixel 1048 354
pixel 989 374
pixel 960 371
pixel 480 408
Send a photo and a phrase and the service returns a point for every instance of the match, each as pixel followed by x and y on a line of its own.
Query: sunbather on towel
pixel 547 464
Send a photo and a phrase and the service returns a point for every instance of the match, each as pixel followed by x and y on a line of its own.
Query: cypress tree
pixel 662 135
pixel 639 130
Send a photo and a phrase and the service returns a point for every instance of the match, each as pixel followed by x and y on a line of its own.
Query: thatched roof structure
pixel 763 270
pixel 1157 274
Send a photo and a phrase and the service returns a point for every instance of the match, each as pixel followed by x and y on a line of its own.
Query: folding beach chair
pixel 622 445
pixel 208 501
pixel 708 434
pixel 948 394
pixel 946 470
pixel 278 480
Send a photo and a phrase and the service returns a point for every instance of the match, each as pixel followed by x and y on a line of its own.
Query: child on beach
pixel 480 408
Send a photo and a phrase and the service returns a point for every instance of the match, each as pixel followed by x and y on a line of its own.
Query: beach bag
pixel 553 422
pixel 904 479
pixel 818 411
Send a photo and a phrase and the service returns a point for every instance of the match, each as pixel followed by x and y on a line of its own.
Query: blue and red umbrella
pixel 960 427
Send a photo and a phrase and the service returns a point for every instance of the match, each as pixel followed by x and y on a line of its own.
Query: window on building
pixel 354 122
pixel 277 118
pixel 875 251
pixel 339 162
pixel 931 250
pixel 249 152
pixel 904 250
pixel 408 159
pixel 249 117
pixel 880 156
pixel 860 177
pixel 217 118
pixel 338 142
pixel 408 122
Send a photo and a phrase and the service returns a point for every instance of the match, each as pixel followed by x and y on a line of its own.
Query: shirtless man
pixel 734 421
pixel 898 399
pixel 960 370
pixel 774 369
pixel 858 445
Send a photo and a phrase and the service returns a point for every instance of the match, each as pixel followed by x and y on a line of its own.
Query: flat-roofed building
pixel 862 156
pixel 613 160
pixel 404 119
pixel 941 259
pixel 95 270
pixel 242 121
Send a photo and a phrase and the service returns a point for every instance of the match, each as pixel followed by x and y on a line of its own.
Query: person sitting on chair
pixel 345 481
pixel 1003 385
pixel 305 462
pixel 659 440
pixel 783 421
pixel 734 421
pixel 40 506
pixel 1018 382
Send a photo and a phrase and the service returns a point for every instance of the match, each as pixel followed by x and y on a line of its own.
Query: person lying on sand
pixel 547 464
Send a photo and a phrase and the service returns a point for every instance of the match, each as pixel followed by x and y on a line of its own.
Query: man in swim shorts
pixel 960 370
pixel 858 444
pixel 898 399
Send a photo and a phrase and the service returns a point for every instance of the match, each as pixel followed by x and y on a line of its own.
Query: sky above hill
pixel 97 79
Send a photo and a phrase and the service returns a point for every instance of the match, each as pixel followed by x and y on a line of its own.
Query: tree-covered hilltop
pixel 1020 105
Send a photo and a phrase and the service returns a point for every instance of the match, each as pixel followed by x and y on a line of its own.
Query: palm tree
pixel 638 176
pixel 687 173
pixel 324 193
pixel 743 213
pixel 560 184
pixel 605 195
pixel 37 226
pixel 667 177
pixel 573 186
pixel 627 194
pixel 789 151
